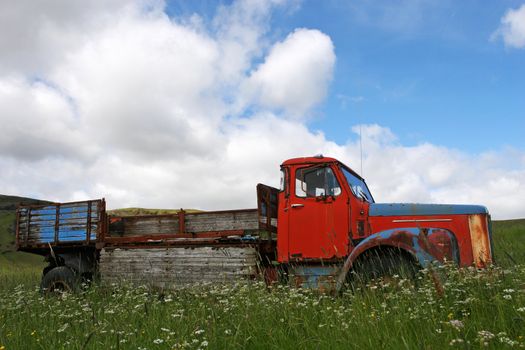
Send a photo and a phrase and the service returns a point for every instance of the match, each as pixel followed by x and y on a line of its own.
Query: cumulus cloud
pixel 296 72
pixel 432 173
pixel 239 31
pixel 38 121
pixel 512 28
pixel 134 100
pixel 33 35
pixel 145 85
pixel 118 100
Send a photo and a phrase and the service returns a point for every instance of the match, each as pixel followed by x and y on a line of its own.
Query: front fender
pixel 424 244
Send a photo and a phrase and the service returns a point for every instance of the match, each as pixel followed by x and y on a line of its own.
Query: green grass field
pixel 8 256
pixel 479 309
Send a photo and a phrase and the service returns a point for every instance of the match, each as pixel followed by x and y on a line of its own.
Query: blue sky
pixel 170 104
pixel 426 69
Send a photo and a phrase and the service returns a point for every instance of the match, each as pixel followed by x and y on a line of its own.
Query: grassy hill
pixel 145 211
pixel 509 242
pixel 8 253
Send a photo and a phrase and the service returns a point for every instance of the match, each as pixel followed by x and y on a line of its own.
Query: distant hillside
pixel 9 203
pixel 516 225
pixel 509 242
pixel 145 211
pixel 8 253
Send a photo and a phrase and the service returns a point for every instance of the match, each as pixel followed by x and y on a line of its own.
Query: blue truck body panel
pixel 77 222
pixel 399 209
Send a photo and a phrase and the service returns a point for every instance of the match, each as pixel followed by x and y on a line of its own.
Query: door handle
pixel 297 205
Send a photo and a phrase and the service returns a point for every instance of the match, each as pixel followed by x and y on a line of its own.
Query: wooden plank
pixel 143 226
pixel 222 221
pixel 191 223
pixel 177 267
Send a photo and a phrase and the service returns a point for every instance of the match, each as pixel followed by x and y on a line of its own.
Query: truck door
pixel 317 215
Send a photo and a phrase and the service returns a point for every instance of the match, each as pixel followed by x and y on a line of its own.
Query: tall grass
pixel 509 242
pixel 478 309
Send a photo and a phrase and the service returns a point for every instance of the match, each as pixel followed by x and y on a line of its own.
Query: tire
pixel 384 264
pixel 58 280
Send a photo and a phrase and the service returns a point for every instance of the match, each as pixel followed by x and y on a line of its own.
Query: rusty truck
pixel 320 228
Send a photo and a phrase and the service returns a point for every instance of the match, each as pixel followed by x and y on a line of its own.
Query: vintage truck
pixel 321 225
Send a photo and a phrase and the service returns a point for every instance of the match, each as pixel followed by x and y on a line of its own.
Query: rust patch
pixel 479 237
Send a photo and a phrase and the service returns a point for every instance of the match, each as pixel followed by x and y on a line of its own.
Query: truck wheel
pixel 384 264
pixel 59 280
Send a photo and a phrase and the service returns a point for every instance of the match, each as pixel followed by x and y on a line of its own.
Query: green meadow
pixel 479 309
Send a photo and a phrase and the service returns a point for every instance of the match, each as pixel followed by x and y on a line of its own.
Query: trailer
pixel 320 229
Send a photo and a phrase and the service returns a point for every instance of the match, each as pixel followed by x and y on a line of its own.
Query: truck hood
pixel 400 209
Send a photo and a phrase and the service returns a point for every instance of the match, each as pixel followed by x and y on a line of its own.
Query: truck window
pixel 358 186
pixel 315 182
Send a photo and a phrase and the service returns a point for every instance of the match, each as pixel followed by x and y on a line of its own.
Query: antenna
pixel 361 149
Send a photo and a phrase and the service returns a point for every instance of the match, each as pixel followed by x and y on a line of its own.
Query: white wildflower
pixel 63 328
pixel 457 324
pixel 456 341
pixel 508 341
pixel 485 335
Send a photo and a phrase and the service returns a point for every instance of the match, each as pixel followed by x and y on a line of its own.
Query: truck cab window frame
pixel 317 181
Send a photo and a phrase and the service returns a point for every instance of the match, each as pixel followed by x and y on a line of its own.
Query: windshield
pixel 358 186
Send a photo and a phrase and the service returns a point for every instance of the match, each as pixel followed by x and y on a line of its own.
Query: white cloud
pixel 430 173
pixel 240 30
pixel 512 28
pixel 33 35
pixel 296 72
pixel 152 111
pixel 38 121
pixel 152 89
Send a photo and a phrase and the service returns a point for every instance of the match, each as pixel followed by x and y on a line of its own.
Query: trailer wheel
pixel 384 264
pixel 60 279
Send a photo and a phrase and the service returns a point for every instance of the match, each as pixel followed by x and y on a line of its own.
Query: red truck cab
pixel 327 214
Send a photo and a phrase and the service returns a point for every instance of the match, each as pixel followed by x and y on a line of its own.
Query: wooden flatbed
pixel 163 250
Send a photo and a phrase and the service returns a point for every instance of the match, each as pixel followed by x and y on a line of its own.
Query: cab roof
pixel 310 160
pixel 318 159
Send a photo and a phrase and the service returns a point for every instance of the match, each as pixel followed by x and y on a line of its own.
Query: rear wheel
pixel 58 280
